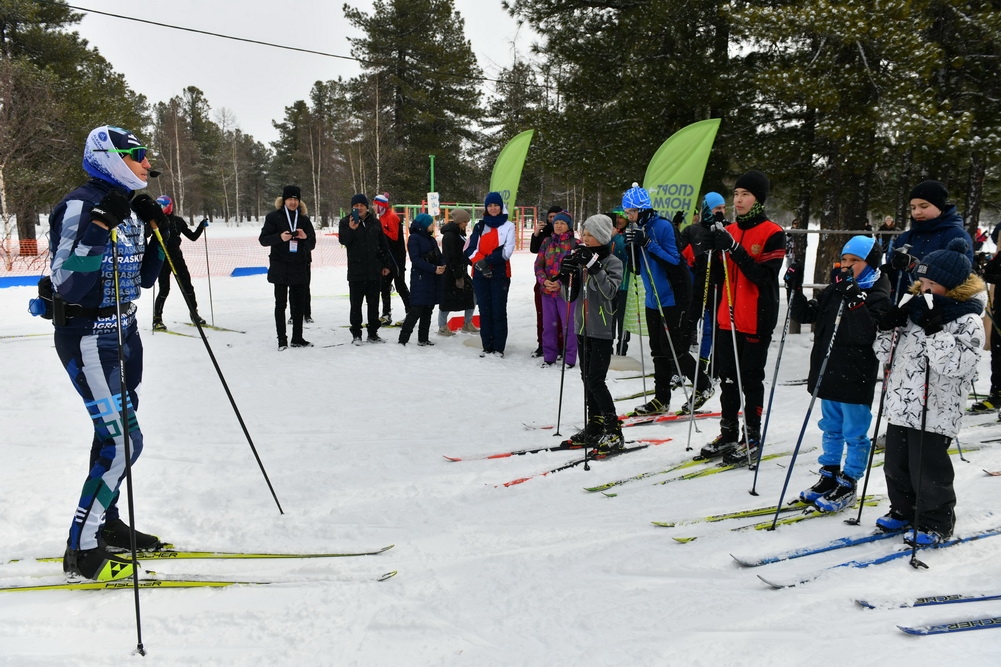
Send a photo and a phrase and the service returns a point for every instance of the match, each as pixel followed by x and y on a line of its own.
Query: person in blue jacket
pixel 89 227
pixel 426 267
pixel 668 284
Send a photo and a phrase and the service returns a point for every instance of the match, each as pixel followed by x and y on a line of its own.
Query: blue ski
pixel 956 626
pixel 932 600
pixel 881 559
pixel 839 543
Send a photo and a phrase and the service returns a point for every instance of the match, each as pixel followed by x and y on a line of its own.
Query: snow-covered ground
pixel 353 438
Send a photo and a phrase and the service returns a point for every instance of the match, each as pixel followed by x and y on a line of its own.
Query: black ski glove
pixel 895 317
pixel 794 277
pixel 850 292
pixel 929 317
pixel 636 236
pixel 901 261
pixel 112 210
pixel 150 212
pixel 484 268
pixel 723 241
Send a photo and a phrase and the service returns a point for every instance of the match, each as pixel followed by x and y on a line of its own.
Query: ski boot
pixel 97 564
pixel 828 482
pixel 651 408
pixel 587 436
pixel 701 397
pixel 990 404
pixel 725 442
pixel 115 534
pixel 158 324
pixel 842 497
pixel 611 439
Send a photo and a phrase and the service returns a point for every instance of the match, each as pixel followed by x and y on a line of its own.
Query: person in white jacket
pixel 940 335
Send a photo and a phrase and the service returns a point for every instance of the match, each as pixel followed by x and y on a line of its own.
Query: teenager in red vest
pixel 753 248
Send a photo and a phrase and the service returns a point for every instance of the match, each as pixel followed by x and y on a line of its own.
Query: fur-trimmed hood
pixel 967 290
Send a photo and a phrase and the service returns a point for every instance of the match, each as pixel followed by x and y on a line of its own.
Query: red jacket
pixel 753 277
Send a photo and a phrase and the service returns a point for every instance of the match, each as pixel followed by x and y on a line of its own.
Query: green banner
pixel 674 175
pixel 507 169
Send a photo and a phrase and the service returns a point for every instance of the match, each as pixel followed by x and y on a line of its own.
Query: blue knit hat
pixel 949 268
pixel 713 199
pixel 423 220
pixel 636 197
pixel 866 248
pixel 565 217
pixel 493 198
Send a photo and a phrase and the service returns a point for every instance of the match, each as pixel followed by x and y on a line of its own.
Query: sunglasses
pixel 138 153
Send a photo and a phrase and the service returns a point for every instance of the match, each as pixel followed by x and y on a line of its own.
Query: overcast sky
pixel 254 82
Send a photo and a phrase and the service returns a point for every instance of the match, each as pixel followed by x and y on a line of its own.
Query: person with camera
pixel 100 261
pixel 289 233
pixel 368 263
pixel 177 227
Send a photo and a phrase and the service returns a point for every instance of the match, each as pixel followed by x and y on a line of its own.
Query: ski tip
pixel 743 562
pixel 913 631
pixel 388 575
pixel 609 495
pixel 385 549
pixel 775 584
pixel 451 458
pixel 865 604
pixel 664 524
pixel 684 540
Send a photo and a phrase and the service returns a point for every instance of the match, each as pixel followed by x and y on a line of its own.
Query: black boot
pixel 725 442
pixel 115 533
pixel 828 482
pixel 587 436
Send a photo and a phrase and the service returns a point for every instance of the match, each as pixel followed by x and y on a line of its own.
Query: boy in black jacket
pixel 368 263
pixel 847 387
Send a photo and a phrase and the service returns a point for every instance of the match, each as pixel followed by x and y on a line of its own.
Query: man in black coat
pixel 289 233
pixel 368 262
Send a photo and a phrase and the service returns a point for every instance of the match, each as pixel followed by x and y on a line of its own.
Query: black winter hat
pixel 932 192
pixel 756 183
pixel 555 208
pixel 291 191
pixel 949 268
pixel 359 199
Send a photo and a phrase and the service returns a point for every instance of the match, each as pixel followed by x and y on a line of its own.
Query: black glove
pixel 484 268
pixel 895 317
pixel 719 217
pixel 723 241
pixel 112 210
pixel 794 277
pixel 570 264
pixel 929 317
pixel 679 219
pixel 636 236
pixel 850 292
pixel 901 261
pixel 149 211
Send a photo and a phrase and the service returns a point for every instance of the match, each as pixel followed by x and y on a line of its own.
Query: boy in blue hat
pixel 862 294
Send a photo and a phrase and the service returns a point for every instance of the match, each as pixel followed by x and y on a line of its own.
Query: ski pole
pixel 887 367
pixel 639 321
pixel 583 359
pixel 700 334
pixel 915 562
pixel 809 410
pixel 208 271
pixel 667 330
pixel 124 414
pixel 563 362
pixel 771 393
pixel 733 336
pixel 208 348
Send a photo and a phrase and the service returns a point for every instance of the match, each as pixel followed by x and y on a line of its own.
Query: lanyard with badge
pixel 293 245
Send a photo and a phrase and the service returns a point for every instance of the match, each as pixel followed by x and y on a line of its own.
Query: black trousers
pixel 594 355
pixel 421 317
pixel 929 497
pixel 295 296
pixel 753 354
pixel 163 284
pixel 663 356
pixel 367 291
